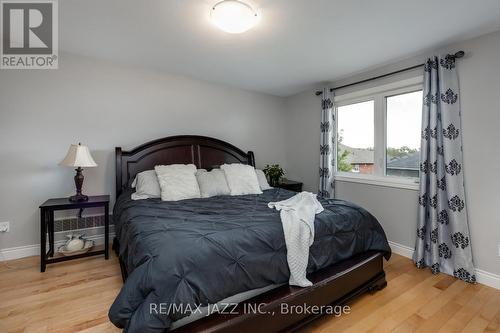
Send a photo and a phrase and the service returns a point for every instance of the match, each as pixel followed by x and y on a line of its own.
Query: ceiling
pixel 297 43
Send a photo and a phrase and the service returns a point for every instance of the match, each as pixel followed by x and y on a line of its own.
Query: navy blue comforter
pixel 200 251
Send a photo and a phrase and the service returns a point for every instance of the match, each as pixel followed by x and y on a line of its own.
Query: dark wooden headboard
pixel 202 151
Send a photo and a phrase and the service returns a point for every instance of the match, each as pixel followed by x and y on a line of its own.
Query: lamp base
pixel 78 198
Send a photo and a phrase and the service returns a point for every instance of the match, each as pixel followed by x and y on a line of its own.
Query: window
pixel 404 122
pixel 378 134
pixel 355 137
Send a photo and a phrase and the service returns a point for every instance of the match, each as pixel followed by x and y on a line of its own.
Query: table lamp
pixel 78 156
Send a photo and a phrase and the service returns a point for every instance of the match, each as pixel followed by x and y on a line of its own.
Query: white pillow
pixel 146 185
pixel 177 182
pixel 241 179
pixel 264 185
pixel 212 183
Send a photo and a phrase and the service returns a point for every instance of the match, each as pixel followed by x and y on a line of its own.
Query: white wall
pixel 303 136
pixel 396 209
pixel 105 105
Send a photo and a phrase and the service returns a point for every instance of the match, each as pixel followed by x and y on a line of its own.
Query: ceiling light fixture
pixel 233 16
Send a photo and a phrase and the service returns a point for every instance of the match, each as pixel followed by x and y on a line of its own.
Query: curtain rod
pixel 457 55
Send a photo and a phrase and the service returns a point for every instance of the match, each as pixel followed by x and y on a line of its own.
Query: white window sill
pixel 396 182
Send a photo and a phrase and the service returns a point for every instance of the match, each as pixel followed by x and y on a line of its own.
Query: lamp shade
pixel 78 156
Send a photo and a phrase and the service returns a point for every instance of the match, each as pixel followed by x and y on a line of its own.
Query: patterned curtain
pixel 443 240
pixel 327 146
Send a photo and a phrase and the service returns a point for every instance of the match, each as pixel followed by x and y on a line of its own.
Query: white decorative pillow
pixel 264 185
pixel 177 182
pixel 146 185
pixel 241 179
pixel 212 183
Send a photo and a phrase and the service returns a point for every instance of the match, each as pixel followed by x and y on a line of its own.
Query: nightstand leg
pixel 43 235
pixel 51 233
pixel 106 231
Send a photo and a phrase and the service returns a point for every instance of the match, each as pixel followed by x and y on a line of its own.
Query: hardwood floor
pixel 75 296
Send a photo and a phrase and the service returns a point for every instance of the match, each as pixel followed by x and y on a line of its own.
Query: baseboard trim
pixel 19 252
pixel 482 276
pixel 487 278
pixel 401 249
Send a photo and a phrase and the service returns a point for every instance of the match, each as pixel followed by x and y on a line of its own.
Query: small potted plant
pixel 274 173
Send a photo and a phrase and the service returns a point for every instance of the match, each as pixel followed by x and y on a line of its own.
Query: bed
pixel 222 260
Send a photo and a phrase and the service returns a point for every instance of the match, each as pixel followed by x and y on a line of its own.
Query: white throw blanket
pixel 297 216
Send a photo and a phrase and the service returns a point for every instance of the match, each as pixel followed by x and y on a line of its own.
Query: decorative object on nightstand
pixel 274 173
pixel 79 156
pixel 76 244
pixel 290 185
pixel 47 210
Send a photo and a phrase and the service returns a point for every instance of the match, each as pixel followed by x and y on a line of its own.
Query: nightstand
pixel 47 210
pixel 290 185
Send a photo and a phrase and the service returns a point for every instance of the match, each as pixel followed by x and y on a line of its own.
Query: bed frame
pixel 333 285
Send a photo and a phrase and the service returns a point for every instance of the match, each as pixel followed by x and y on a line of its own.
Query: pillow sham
pixel 146 186
pixel 241 179
pixel 177 182
pixel 212 183
pixel 264 185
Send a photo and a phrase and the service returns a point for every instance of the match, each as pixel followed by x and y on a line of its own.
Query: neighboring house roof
pixel 357 155
pixel 411 161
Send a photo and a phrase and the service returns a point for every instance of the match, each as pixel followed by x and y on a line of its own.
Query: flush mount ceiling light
pixel 233 16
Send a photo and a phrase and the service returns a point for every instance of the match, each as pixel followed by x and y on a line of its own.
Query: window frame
pixel 379 96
